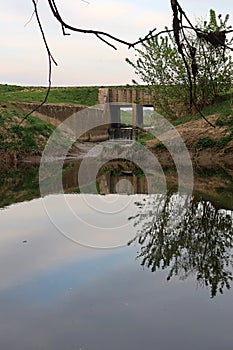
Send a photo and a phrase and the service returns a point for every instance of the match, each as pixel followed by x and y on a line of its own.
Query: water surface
pixel 60 290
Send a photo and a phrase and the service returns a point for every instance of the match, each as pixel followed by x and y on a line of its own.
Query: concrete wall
pixel 52 110
pixel 57 113
pixel 125 95
pixel 94 121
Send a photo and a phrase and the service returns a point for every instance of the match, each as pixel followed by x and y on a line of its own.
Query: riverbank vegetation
pixel 17 134
pixel 31 136
pixel 210 148
pixel 180 85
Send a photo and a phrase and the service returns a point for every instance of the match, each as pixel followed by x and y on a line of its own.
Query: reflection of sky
pixel 57 295
pixel 48 286
pixel 46 247
pixel 124 308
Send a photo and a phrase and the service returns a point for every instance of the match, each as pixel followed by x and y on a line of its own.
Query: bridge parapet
pixel 125 95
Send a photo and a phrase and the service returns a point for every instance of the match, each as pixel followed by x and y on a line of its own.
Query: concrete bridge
pixel 108 111
pixel 140 96
pixel 118 98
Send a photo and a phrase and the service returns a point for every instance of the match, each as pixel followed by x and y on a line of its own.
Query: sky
pixel 82 59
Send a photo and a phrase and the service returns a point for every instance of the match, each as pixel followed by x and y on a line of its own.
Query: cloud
pixel 24 55
pixel 91 60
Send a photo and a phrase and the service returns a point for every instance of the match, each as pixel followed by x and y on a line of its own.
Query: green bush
pixel 206 141
pixel 227 120
pixel 223 141
pixel 143 137
pixel 159 64
pixel 159 145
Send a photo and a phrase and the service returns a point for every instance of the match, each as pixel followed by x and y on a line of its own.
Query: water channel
pixel 122 269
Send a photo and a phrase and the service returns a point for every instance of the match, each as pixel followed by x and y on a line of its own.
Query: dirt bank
pixel 203 157
pixel 10 159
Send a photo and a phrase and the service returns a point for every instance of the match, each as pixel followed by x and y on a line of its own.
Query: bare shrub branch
pixel 217 39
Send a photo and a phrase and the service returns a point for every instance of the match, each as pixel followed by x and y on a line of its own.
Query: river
pixel 124 269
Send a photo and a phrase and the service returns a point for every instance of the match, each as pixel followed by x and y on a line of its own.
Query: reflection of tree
pixel 19 185
pixel 190 236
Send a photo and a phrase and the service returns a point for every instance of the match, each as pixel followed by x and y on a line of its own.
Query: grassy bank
pixel 86 96
pixel 33 133
pixel 19 182
pixel 29 135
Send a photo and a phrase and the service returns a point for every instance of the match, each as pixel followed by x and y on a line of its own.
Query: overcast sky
pixel 82 59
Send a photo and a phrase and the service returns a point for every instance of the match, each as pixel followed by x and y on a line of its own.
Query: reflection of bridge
pixel 108 182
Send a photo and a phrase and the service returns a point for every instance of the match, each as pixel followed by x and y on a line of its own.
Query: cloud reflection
pixel 45 247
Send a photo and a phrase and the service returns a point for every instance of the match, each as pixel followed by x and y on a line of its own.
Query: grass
pixel 86 96
pixel 159 145
pixel 225 121
pixel 144 137
pixel 221 196
pixel 127 118
pixel 184 120
pixel 29 136
pixel 223 108
pixel 18 186
pixel 205 142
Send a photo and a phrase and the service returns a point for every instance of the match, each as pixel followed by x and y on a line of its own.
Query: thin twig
pixel 150 36
pixel 32 15
pixel 87 2
pixel 178 30
pixel 50 61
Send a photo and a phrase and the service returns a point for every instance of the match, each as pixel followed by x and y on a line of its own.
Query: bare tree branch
pixel 217 39
pixel 54 9
pixel 31 17
pixel 50 61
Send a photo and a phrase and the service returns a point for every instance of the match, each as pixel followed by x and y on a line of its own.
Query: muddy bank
pixel 22 183
pixel 205 159
pixel 202 156
pixel 10 159
pixel 209 158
